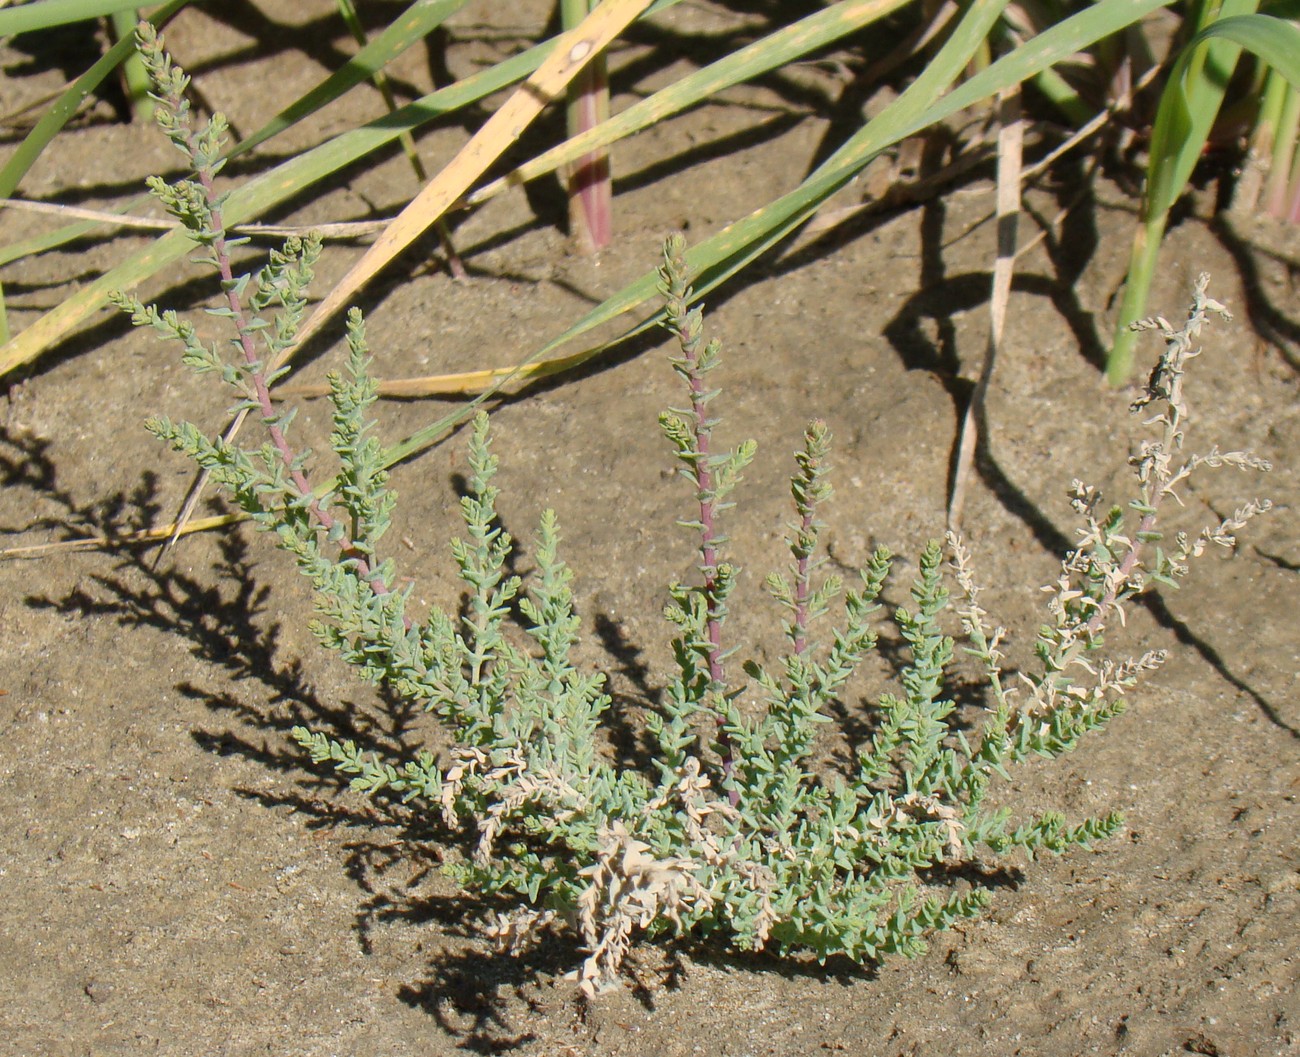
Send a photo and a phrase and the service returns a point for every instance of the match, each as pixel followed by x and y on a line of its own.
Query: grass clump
pixel 730 830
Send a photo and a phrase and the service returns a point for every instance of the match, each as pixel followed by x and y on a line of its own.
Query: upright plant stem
pixel 703 427
pixel 810 489
pixel 802 588
pixel 590 187
pixel 714 474
pixel 203 150
pixel 701 461
pixel 257 374
pixel 135 78
pixel 1284 152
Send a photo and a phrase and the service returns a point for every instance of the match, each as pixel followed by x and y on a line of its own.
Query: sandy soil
pixel 177 880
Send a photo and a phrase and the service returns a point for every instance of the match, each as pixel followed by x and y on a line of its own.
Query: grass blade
pixel 1278 193
pixel 1277 139
pixel 46 14
pixel 420 19
pixel 264 192
pixel 52 122
pixel 135 77
pixel 777 49
pixel 1187 111
pixel 380 80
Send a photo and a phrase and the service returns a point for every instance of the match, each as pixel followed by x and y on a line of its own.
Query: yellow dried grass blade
pixel 465 383
pixel 777 49
pixel 573 50
pixel 157 534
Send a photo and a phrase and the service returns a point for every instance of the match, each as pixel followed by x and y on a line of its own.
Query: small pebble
pixel 98 992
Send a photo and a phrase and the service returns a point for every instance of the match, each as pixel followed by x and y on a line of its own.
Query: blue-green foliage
pixel 738 826
pixel 804 858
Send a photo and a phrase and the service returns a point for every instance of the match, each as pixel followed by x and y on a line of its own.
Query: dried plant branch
pixel 1011 132
pixel 347 229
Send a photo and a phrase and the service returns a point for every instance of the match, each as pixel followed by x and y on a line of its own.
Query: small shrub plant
pixel 736 828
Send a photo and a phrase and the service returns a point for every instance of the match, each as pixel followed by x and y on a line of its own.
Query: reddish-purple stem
pixel 802 584
pixel 323 517
pixel 590 190
pixel 708 546
pixel 1126 567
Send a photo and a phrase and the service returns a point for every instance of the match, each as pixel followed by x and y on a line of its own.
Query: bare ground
pixel 176 879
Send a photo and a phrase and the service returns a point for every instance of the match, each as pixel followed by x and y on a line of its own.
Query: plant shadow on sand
pixel 224 620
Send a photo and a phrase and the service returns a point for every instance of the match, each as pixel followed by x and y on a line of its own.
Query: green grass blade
pixel 785 45
pixel 1188 106
pixel 1275 40
pixel 134 75
pixel 273 187
pixel 1187 111
pixel 777 49
pixel 411 26
pixel 52 122
pixel 45 14
pixel 1062 95
pixel 718 258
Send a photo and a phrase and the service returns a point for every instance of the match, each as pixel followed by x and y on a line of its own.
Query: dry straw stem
pixel 1011 137
pixel 347 229
pixel 158 534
